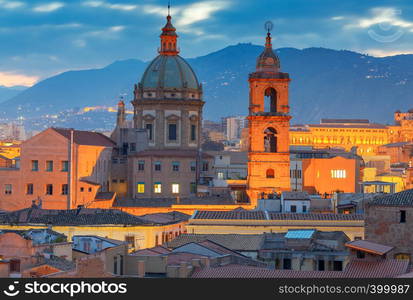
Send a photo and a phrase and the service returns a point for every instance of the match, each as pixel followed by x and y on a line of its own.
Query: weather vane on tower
pixel 268 26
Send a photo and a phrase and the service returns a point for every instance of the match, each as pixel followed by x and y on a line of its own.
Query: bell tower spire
pixel 169 37
pixel 268 124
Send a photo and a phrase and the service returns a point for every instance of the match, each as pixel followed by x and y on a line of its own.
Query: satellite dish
pixel 268 26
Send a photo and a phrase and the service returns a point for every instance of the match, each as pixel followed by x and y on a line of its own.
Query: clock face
pixel 269 61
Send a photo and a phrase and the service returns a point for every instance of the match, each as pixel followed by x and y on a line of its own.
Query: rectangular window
pixel 35 165
pixel 293 208
pixel 304 208
pixel 65 189
pixel 192 188
pixel 149 128
pixel 175 166
pixel 29 189
pixel 193 132
pixel 175 188
pixel 140 187
pixel 402 216
pixel 65 166
pixel 8 188
pixel 132 147
pixel 337 265
pixel 220 175
pixel 158 166
pixel 287 264
pixel 49 189
pixel 141 165
pixel 321 265
pixel 49 165
pixel 172 132
pixel 193 166
pixel 338 174
pixel 157 188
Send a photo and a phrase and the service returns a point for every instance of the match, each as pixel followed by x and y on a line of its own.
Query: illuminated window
pixel 402 256
pixel 338 174
pixel 175 188
pixel 141 187
pixel 193 166
pixel 220 175
pixel 157 188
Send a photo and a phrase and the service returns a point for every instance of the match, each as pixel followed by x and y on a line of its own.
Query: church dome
pixel 169 72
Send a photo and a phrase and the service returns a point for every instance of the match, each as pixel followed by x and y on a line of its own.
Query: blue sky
pixel 40 38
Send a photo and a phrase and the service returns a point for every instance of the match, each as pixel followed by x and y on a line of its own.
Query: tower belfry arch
pixel 269 122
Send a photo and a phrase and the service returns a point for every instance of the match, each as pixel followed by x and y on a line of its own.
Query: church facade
pixel 168 114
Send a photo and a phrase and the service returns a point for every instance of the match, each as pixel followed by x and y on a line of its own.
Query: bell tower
pixel 269 123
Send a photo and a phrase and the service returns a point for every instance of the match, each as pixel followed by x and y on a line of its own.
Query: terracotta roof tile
pixel 404 198
pixel 237 242
pixel 368 246
pixel 354 269
pixel 86 137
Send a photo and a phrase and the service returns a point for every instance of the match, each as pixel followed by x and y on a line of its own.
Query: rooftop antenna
pixel 169 8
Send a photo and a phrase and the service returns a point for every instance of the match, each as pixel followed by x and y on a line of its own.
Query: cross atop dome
pixel 169 37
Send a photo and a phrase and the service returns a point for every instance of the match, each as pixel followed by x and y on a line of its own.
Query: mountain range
pixel 325 83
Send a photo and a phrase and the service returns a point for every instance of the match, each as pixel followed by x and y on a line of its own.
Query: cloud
pixel 116 6
pixel 200 11
pixel 9 79
pixel 49 7
pixel 380 16
pixel 11 4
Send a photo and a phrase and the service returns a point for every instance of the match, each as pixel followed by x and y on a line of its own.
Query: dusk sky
pixel 40 38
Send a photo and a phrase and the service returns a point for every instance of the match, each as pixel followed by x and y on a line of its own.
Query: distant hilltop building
pixel 347 133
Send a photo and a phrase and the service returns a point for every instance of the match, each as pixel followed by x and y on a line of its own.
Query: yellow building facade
pixel 349 133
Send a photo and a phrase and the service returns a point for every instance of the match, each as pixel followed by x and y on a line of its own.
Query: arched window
pixel 270 140
pixel 270 173
pixel 270 100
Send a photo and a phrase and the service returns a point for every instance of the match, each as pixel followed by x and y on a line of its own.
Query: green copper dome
pixel 169 72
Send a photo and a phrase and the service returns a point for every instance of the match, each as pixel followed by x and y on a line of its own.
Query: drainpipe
pixel 70 171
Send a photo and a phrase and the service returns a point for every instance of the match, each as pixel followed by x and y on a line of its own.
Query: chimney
pixel 141 268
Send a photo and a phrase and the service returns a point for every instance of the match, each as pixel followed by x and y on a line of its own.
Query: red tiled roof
pixel 369 247
pixel 89 138
pixel 376 269
pixel 155 251
pixel 354 269
pixel 177 258
pixel 260 215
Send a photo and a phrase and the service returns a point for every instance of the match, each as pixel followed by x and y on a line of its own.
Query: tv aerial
pixel 268 26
